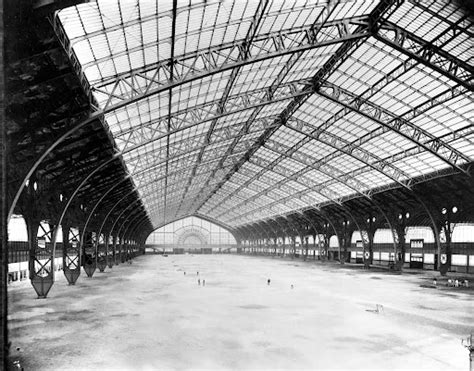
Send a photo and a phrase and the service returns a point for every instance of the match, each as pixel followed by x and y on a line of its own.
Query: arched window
pixel 191 231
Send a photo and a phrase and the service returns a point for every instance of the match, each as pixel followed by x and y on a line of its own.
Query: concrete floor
pixel 149 316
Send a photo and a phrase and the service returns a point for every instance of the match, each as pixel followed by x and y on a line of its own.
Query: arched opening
pixel 191 234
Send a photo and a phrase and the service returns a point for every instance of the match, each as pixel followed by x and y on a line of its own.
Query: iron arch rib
pixel 405 128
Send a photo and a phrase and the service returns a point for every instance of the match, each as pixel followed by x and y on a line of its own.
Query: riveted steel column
pixel 124 255
pixel 134 225
pixel 41 258
pixel 347 257
pixel 400 227
pixel 324 249
pixel 434 228
pixel 89 252
pixel 110 251
pixel 102 247
pixel 117 257
pixel 113 259
pixel 71 255
pixel 368 240
pixel 392 228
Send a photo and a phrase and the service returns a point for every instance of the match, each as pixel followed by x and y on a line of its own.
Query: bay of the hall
pixel 237 185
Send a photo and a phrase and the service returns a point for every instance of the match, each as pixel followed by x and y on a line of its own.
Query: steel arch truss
pixel 147 80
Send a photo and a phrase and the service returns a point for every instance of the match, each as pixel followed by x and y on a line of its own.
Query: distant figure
pixel 449 282
pixel 456 283
pixel 184 273
pixel 204 282
pixel 268 281
pixel 292 287
pixel 199 282
pixel 435 281
pixel 197 273
pixel 466 283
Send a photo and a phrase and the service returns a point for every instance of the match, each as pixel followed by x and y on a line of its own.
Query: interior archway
pixel 191 231
pixel 191 236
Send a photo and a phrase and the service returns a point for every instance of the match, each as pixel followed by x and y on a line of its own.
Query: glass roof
pixel 246 110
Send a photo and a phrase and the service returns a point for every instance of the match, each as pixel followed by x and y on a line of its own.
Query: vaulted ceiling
pixel 247 111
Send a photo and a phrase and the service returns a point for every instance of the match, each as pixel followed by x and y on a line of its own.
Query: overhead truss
pixel 304 106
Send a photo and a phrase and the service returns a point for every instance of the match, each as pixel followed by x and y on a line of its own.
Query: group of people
pixel 453 282
pixel 269 280
pixel 199 280
pixel 204 281
pixel 457 283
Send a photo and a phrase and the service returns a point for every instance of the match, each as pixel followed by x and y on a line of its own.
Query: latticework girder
pixel 397 123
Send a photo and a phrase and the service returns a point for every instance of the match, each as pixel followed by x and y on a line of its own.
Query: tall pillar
pixel 314 246
pixel 343 236
pixel 445 228
pixel 89 253
pixel 367 235
pixel 41 257
pixel 293 241
pixel 368 253
pixel 400 227
pixel 306 246
pixel 110 251
pixel 116 249
pixel 102 247
pixel 324 247
pixel 123 250
pixel 71 255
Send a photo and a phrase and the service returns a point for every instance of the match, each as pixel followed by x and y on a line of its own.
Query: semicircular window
pixel 191 231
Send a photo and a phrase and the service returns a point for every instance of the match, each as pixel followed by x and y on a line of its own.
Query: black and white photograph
pixel 242 185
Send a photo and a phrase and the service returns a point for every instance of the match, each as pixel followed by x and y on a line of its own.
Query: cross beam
pixel 426 53
pixel 398 124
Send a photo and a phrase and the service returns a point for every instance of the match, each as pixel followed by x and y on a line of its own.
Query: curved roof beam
pixel 426 53
pixel 398 124
pixel 198 64
pixel 286 152
pixel 308 129
pixel 191 117
pixel 260 206
pixel 321 74
pixel 423 107
pixel 145 81
pixel 442 97
pixel 172 72
pixel 353 149
pixel 134 146
pixel 134 190
pixel 244 53
pixel 315 28
pixel 330 141
pixel 384 167
pixel 310 164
